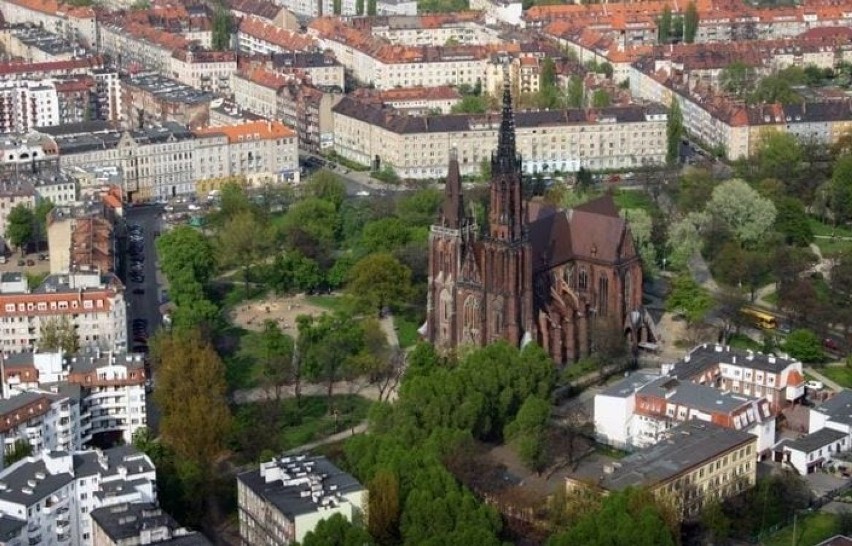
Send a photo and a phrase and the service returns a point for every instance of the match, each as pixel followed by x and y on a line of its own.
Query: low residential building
pixel 638 411
pixel 285 499
pixel 835 413
pixel 778 379
pixel 256 36
pixel 154 99
pixel 81 238
pixel 549 141
pixel 208 71
pixel 54 494
pixel 256 89
pixel 27 104
pixel 231 113
pixel 417 101
pixel 129 524
pixel 813 451
pixel 319 69
pixel 48 181
pixel 698 463
pixel 264 152
pixel 92 301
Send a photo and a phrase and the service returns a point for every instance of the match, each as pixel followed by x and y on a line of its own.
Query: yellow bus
pixel 760 318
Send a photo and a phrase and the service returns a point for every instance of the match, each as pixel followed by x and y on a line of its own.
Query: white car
pixel 814 385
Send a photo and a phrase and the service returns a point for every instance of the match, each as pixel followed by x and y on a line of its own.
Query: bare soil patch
pixel 282 309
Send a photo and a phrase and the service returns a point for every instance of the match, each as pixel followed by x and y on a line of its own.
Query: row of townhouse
pixel 300 105
pixel 638 411
pixel 549 141
pixel 159 162
pixel 465 27
pixel 257 36
pixel 151 98
pixel 91 301
pixel 319 69
pixel 49 498
pixel 719 21
pixel 33 44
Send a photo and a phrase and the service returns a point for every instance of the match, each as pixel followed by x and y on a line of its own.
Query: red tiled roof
pixel 285 39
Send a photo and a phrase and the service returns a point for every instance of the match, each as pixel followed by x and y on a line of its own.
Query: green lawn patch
pixel 634 199
pixel 406 330
pixel 810 529
pixel 742 341
pixel 288 425
pixel 841 375
pixel 578 369
pixel 833 247
pixel 609 451
pixel 332 303
pixel 820 228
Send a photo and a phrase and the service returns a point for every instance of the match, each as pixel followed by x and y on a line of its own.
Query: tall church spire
pixel 453 213
pixel 506 158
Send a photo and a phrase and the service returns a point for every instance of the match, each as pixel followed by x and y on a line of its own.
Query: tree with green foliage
pixel 803 344
pixel 241 242
pixel 371 8
pixel 747 214
pixel 841 190
pixel 631 516
pixel 601 98
pixel 327 186
pixel 274 350
pixel 59 334
pixel 292 271
pixel 674 131
pixel 385 235
pixel 327 345
pixel 694 190
pixel 779 156
pixel 664 26
pixel 471 104
pixel 378 281
pixel 192 397
pixel 738 79
pixel 222 28
pixel 384 509
pixel 690 22
pixel 41 212
pixel 576 92
pixel 337 7
pixel 20 227
pixel 421 207
pixel 778 88
pixel 337 531
pixel 359 7
pixel 526 433
pixel 21 449
pixel 792 222
pixel 311 226
pixel 689 299
pixel 547 75
pixel 185 254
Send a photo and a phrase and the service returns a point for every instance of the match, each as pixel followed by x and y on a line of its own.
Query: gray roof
pixel 10 527
pixel 630 384
pixel 401 123
pixel 126 521
pixel 696 396
pixel 105 139
pixel 168 89
pixel 815 440
pixel 838 408
pixel 288 499
pixel 88 464
pixel 685 446
pixel 31 475
pixel 708 355
pixel 9 405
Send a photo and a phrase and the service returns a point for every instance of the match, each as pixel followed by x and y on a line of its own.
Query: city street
pixel 145 305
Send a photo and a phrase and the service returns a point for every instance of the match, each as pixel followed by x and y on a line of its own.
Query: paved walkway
pixel 342 435
pixel 826 381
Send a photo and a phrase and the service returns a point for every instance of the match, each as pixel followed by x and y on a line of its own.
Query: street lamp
pixel 664 263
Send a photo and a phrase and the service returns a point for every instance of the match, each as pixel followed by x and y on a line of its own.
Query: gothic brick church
pixel 537 274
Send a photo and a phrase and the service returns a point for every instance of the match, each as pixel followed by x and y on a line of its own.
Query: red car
pixel 830 344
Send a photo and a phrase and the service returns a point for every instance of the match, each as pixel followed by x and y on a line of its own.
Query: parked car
pixel 139 291
pixel 30 262
pixel 22 262
pixel 814 385
pixel 830 344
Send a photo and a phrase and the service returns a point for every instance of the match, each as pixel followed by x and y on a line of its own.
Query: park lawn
pixel 833 247
pixel 820 228
pixel 811 529
pixel 406 331
pixel 577 370
pixel 634 199
pixel 333 303
pixel 841 375
pixel 742 341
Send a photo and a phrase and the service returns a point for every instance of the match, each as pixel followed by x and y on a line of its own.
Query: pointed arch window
pixel 583 280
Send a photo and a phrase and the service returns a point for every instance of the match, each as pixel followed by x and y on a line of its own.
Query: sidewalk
pixel 825 381
pixel 342 435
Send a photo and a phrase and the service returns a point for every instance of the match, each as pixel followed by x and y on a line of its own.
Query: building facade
pixel 285 499
pixel 537 275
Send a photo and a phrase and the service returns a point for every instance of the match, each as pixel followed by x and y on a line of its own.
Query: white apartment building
pixel 27 104
pixel 139 46
pixel 51 496
pixel 638 411
pixel 265 152
pixel 206 70
pixel 549 141
pixel 287 497
pixel 129 524
pixel 466 28
pixel 92 301
pixel 257 90
pixel 47 421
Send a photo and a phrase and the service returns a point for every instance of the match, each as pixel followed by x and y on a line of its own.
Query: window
pixel 583 280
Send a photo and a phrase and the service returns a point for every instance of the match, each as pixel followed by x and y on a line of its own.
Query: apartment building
pixel 47 181
pixel 320 69
pixel 51 496
pixel 230 113
pixel 697 463
pixel 156 162
pixel 27 104
pixel 285 499
pixel 150 98
pixel 777 379
pixel 75 24
pixel 256 89
pixel 549 141
pixel 13 70
pixel 417 101
pixel 33 44
pixel 639 410
pixel 257 36
pixel 47 421
pixel 138 46
pixel 309 110
pixel 81 237
pixel 524 74
pixel 465 28
pixel 829 435
pixel 92 301
pixel 264 152
pixel 209 71
pixel 128 524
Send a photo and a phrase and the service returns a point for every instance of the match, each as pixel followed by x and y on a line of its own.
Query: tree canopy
pixel 20 228
pixel 748 215
pixel 379 280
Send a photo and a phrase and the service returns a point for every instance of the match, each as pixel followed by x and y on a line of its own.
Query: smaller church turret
pixel 453 213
